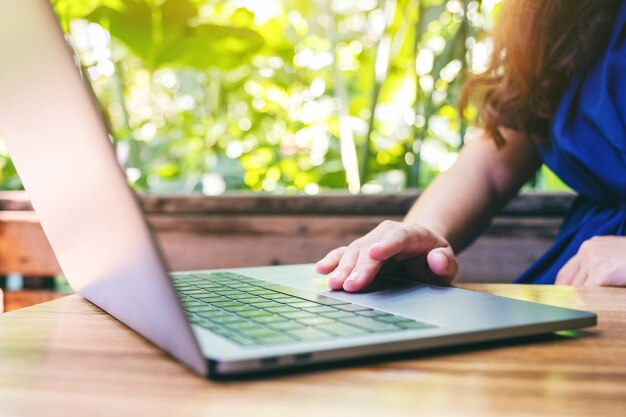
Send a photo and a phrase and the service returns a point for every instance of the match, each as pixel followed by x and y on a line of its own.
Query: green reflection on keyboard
pixel 252 312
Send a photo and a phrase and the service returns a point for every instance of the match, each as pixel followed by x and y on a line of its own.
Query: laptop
pixel 217 323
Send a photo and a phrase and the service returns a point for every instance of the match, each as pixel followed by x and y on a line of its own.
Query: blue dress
pixel 587 150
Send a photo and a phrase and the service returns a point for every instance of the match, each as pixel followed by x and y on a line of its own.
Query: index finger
pixel 328 263
pixel 404 243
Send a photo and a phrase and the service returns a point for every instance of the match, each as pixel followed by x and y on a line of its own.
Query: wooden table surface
pixel 67 358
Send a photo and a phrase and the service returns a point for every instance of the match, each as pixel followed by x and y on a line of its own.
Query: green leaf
pixel 165 35
pixel 210 45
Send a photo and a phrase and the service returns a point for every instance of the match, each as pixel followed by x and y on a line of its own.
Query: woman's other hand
pixel 427 256
pixel 600 261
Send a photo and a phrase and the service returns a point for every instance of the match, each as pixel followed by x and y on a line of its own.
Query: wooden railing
pixel 198 232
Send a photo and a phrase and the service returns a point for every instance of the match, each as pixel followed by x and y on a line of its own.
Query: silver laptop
pixel 217 323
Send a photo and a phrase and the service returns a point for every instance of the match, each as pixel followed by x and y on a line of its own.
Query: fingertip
pixel 438 263
pixel 335 284
pixel 322 267
pixel 336 280
pixel 352 286
pixel 357 281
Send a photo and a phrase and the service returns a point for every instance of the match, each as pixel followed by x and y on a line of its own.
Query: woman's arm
pixel 460 203
pixel 453 210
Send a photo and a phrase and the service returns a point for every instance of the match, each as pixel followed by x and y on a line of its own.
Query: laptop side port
pixel 303 357
pixel 269 362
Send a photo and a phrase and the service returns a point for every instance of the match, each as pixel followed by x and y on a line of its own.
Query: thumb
pixel 442 262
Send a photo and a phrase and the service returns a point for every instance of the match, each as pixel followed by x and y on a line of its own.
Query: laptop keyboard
pixel 252 312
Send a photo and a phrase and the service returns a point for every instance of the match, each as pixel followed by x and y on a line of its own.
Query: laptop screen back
pixel 62 152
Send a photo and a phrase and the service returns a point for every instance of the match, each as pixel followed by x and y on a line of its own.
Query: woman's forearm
pixel 460 203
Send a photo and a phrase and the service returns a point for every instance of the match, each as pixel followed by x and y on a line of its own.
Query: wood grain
pixel 14 300
pixel 67 358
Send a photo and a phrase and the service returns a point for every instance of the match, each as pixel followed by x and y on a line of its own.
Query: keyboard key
pixel 243 340
pixel 340 329
pixel 299 315
pixel 260 292
pixel 285 325
pixel 413 324
pixel 268 319
pixel 338 314
pixel 188 279
pixel 282 309
pixel 304 304
pixel 192 292
pixel 327 301
pixel 308 333
pixel 320 309
pixel 231 320
pixel 213 299
pixel 314 321
pixel 227 293
pixel 247 325
pixel 205 324
pixel 253 313
pixel 261 332
pixel 369 324
pixel 201 308
pixel 238 308
pixel 289 300
pixel 265 304
pixel 188 304
pixel 390 318
pixel 304 295
pixel 214 315
pixel 229 303
pixel 209 286
pixel 279 338
pixel 247 299
pixel 282 297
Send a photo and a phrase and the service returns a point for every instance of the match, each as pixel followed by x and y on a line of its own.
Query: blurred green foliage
pixel 278 95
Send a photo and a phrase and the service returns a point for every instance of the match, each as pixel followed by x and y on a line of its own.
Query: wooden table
pixel 13 300
pixel 67 358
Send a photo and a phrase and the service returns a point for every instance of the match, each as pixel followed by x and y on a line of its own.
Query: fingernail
pixel 444 259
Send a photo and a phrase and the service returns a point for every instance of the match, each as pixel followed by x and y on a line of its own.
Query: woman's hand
pixel 426 256
pixel 600 261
